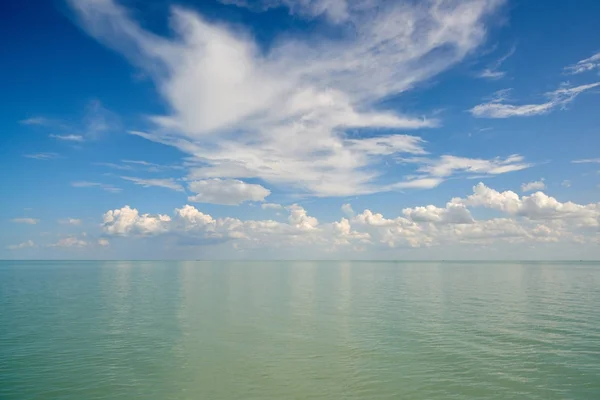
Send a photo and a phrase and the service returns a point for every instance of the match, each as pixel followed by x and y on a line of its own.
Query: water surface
pixel 299 330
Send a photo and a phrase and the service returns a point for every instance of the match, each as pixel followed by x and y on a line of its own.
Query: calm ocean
pixel 299 330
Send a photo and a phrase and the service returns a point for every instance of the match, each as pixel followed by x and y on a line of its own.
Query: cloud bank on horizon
pixel 347 105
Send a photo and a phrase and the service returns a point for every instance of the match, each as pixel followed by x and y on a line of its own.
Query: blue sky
pixel 300 129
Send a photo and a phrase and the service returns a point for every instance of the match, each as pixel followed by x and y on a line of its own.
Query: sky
pixel 300 129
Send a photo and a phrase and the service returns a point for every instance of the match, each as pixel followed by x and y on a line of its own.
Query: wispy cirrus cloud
pixel 131 165
pixel 167 183
pixel 36 121
pixel 114 166
pixel 68 138
pixel 493 72
pixel 70 221
pixel 103 186
pixel 282 114
pixel 587 161
pixel 153 167
pixel 448 165
pixel 336 11
pixel 42 156
pixel 70 241
pixel 24 245
pixel 588 64
pixel 559 98
pixel 94 122
pixel 28 221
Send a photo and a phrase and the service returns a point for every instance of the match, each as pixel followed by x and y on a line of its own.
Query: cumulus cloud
pixel 451 214
pixel 300 219
pixel 588 64
pixel 344 235
pixel 226 191
pixel 347 209
pixel 559 98
pixel 535 185
pixel 191 226
pixel 29 221
pixel 103 242
pixel 24 245
pixel 127 220
pixel 537 218
pixel 537 206
pixel 284 114
pixel 167 183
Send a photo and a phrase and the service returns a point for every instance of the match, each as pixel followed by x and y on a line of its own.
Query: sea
pixel 284 330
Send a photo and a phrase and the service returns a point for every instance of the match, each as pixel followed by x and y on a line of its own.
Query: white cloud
pixel 566 183
pixel 68 138
pixel 535 185
pixel 344 235
pixel 226 191
pixel 29 221
pixel 449 165
pixel 283 114
pixel 42 156
pixel 127 220
pixel 94 122
pixel 70 241
pixel 537 206
pixel 300 219
pixel 417 183
pixel 70 221
pixel 589 64
pixel 271 206
pixel 97 121
pixel 168 183
pixel 35 121
pixel 451 214
pixel 24 245
pixel 558 98
pixel 336 11
pixel 347 209
pixel 103 242
pixel 114 166
pixel 105 187
pixel 151 167
pixel 537 218
pixel 493 72
pixel 587 161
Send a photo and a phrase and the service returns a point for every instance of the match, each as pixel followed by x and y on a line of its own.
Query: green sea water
pixel 299 330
